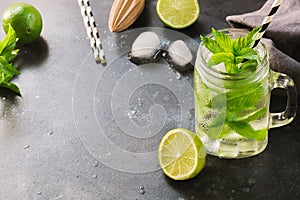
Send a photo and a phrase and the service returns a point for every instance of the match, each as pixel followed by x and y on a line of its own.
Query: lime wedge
pixel 181 154
pixel 178 13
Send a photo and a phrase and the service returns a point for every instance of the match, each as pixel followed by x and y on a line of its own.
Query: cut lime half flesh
pixel 181 154
pixel 178 14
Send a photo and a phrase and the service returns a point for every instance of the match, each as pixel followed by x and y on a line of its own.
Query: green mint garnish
pixel 237 55
pixel 7 54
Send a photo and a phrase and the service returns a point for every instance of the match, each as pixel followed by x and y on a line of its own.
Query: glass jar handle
pixel 282 118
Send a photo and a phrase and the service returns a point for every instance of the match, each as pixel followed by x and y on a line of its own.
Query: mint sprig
pixel 7 54
pixel 237 55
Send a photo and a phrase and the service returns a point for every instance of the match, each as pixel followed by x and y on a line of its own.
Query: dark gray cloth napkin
pixel 282 37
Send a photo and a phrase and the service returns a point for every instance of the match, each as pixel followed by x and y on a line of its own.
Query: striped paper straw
pixel 267 20
pixel 92 30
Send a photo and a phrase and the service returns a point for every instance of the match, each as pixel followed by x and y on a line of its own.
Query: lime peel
pixel 178 14
pixel 181 154
pixel 25 19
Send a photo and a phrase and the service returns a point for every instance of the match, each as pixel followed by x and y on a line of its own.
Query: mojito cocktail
pixel 232 108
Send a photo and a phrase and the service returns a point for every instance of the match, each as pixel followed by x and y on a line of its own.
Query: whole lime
pixel 25 19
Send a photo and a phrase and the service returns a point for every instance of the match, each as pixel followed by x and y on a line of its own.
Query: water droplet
pixel 246 189
pixel 142 191
pixel 50 133
pixel 26 146
pixel 98 193
pixel 94 176
pixel 178 76
pixel 132 113
pixel 155 94
pixel 96 164
pixel 251 181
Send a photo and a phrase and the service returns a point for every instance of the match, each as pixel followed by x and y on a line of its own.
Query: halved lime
pixel 181 154
pixel 178 13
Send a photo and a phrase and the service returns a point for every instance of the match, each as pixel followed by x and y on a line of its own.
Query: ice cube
pixel 180 55
pixel 145 47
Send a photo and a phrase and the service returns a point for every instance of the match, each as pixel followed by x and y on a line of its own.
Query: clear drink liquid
pixel 227 119
pixel 232 110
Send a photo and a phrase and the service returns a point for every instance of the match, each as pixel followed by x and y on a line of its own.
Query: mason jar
pixel 232 110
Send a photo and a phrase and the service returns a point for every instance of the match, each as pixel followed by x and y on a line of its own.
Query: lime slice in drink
pixel 181 154
pixel 178 13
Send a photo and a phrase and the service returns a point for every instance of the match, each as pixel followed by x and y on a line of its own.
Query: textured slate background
pixel 42 156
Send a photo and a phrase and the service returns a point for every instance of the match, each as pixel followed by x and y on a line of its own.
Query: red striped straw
pixel 267 20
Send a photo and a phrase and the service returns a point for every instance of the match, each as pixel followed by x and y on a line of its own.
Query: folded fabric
pixel 282 35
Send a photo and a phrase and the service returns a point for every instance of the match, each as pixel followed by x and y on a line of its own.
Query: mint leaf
pixel 232 69
pixel 239 43
pixel 6 67
pixel 211 45
pixel 223 40
pixel 220 126
pixel 249 65
pixel 256 115
pixel 233 53
pixel 246 41
pixel 217 58
pixel 7 54
pixel 7 72
pixel 8 44
pixel 12 87
pixel 245 130
pixel 245 99
pixel 248 53
pixel 226 130
pixel 253 36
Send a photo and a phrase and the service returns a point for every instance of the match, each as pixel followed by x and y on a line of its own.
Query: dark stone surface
pixel 43 156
